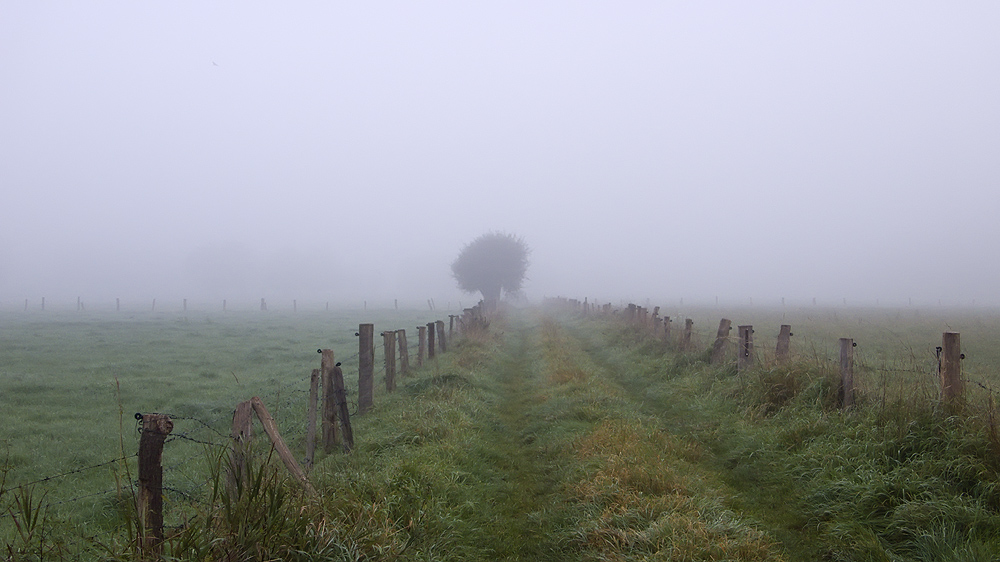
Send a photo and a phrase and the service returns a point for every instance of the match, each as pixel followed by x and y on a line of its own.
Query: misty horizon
pixel 644 151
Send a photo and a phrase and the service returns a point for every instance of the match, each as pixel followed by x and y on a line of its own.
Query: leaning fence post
pixel 721 339
pixel 271 429
pixel 366 366
pixel 847 346
pixel 745 358
pixel 155 428
pixel 343 411
pixel 952 386
pixel 329 401
pixel 781 350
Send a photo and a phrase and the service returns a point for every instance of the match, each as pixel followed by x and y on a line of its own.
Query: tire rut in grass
pixel 528 522
pixel 755 496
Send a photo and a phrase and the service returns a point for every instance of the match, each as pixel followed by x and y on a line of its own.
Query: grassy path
pixel 580 472
pixel 676 406
pixel 530 475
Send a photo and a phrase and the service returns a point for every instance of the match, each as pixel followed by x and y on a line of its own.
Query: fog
pixel 336 151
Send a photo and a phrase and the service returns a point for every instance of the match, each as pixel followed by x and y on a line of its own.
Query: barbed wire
pixel 70 473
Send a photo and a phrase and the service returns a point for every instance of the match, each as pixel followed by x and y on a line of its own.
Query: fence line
pixel 154 478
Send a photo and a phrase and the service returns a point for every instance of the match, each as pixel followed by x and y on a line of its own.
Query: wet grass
pixel 546 438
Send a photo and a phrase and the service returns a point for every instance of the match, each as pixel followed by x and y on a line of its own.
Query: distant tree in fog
pixel 493 264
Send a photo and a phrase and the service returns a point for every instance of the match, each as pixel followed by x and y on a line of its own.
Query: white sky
pixel 338 151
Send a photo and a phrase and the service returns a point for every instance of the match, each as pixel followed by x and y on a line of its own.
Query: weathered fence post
pixel 431 328
pixel 366 367
pixel 421 345
pixel 404 353
pixel 781 350
pixel 688 328
pixel 343 412
pixel 240 433
pixel 952 385
pixel 441 339
pixel 389 348
pixel 311 430
pixel 155 428
pixel 744 360
pixel 721 339
pixel 847 372
pixel 329 401
pixel 666 329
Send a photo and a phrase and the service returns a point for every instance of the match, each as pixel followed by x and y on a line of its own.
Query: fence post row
pixel 155 428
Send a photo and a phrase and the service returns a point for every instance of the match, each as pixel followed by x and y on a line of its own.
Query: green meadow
pixel 550 436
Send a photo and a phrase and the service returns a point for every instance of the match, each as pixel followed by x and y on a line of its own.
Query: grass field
pixel 552 437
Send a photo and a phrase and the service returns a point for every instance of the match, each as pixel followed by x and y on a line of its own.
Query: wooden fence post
pixel 389 348
pixel 744 360
pixel 343 411
pixel 847 346
pixel 666 328
pixel 781 350
pixel 329 401
pixel 366 367
pixel 311 428
pixel 421 345
pixel 155 428
pixel 404 353
pixel 952 386
pixel 688 328
pixel 431 328
pixel 721 339
pixel 441 339
pixel 241 434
